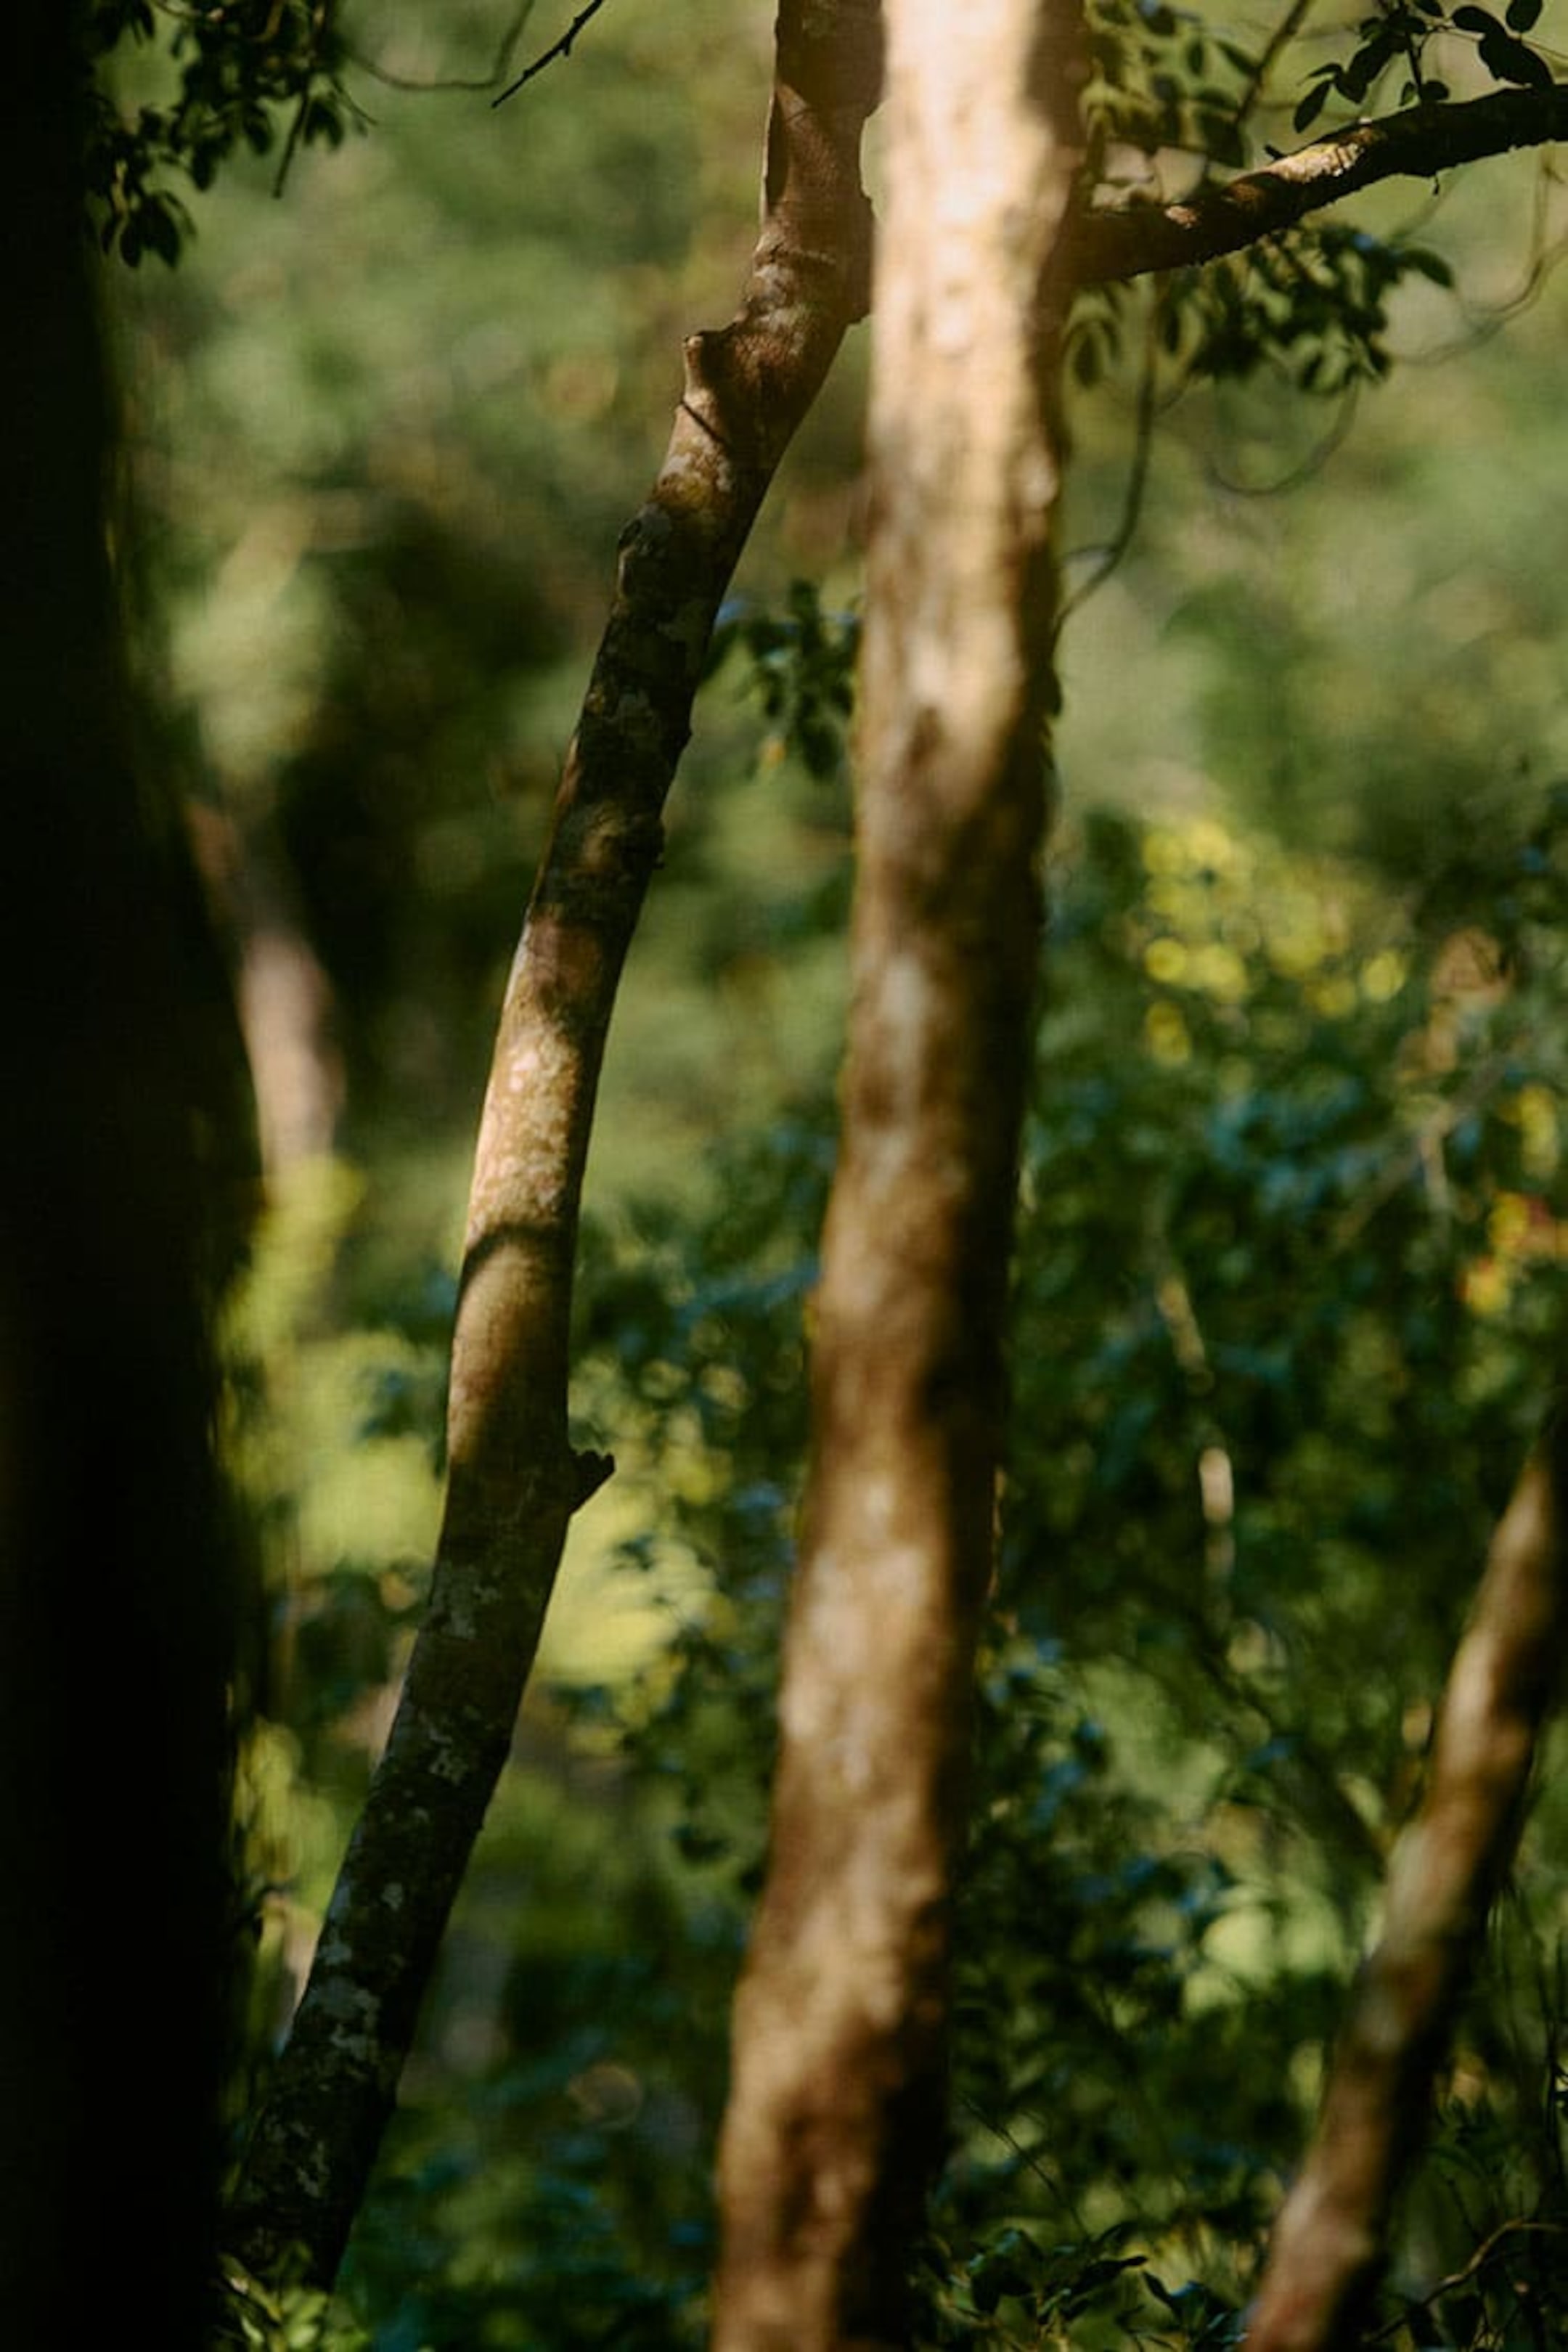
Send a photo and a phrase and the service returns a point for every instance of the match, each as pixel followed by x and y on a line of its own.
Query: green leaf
pixel 1513 61
pixel 1312 106
pixel 1521 14
pixel 1427 264
pixel 1222 138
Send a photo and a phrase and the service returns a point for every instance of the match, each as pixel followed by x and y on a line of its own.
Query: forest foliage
pixel 1290 1276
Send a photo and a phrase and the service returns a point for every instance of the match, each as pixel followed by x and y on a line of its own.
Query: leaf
pixel 1513 61
pixel 1427 264
pixel 161 232
pixel 1521 14
pixel 1476 20
pixel 1312 106
pixel 1222 138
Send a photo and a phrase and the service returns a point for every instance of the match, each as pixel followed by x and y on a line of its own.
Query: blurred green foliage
pixel 1289 1285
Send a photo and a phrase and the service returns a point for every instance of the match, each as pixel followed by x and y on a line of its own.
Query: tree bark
pixel 837 2106
pixel 1416 143
pixel 513 1480
pixel 1329 2242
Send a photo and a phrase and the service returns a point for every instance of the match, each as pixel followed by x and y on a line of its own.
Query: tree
pixel 1324 306
pixel 834 2117
pixel 116 1572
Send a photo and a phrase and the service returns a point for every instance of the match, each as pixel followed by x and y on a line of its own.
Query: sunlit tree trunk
pixel 1329 2242
pixel 836 2108
pixel 513 1479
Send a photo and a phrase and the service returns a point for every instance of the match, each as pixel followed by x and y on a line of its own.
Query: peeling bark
pixel 513 1480
pixel 837 2106
pixel 1329 2242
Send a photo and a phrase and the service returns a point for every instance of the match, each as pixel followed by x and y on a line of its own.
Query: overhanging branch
pixel 1419 143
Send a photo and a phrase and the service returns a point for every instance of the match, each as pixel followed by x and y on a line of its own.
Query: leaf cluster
pixel 249 74
pixel 1312 303
pixel 1289 1278
pixel 282 2314
pixel 1398 34
pixel 801 671
pixel 1286 1300
pixel 1162 80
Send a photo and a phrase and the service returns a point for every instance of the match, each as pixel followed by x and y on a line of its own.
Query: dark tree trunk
pixel 114 1649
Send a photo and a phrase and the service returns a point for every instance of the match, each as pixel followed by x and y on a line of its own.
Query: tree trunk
pixel 513 1481
pixel 115 1633
pixel 1329 2241
pixel 836 2107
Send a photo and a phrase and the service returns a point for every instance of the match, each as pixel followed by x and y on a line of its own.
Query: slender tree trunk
pixel 513 1480
pixel 837 2106
pixel 1329 2242
pixel 283 994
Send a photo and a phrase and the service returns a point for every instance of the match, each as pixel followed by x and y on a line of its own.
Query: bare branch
pixel 505 48
pixel 1419 143
pixel 1329 2242
pixel 1273 49
pixel 1105 558
pixel 561 48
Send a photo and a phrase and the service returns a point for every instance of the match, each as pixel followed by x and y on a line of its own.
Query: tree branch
pixel 1418 143
pixel 513 1480
pixel 561 48
pixel 1329 2242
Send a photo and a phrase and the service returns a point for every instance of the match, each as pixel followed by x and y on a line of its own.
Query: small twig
pixel 1412 1158
pixel 1109 553
pixel 302 107
pixel 1466 2272
pixel 1305 468
pixel 319 17
pixel 561 48
pixel 505 48
pixel 1280 39
pixel 1411 50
